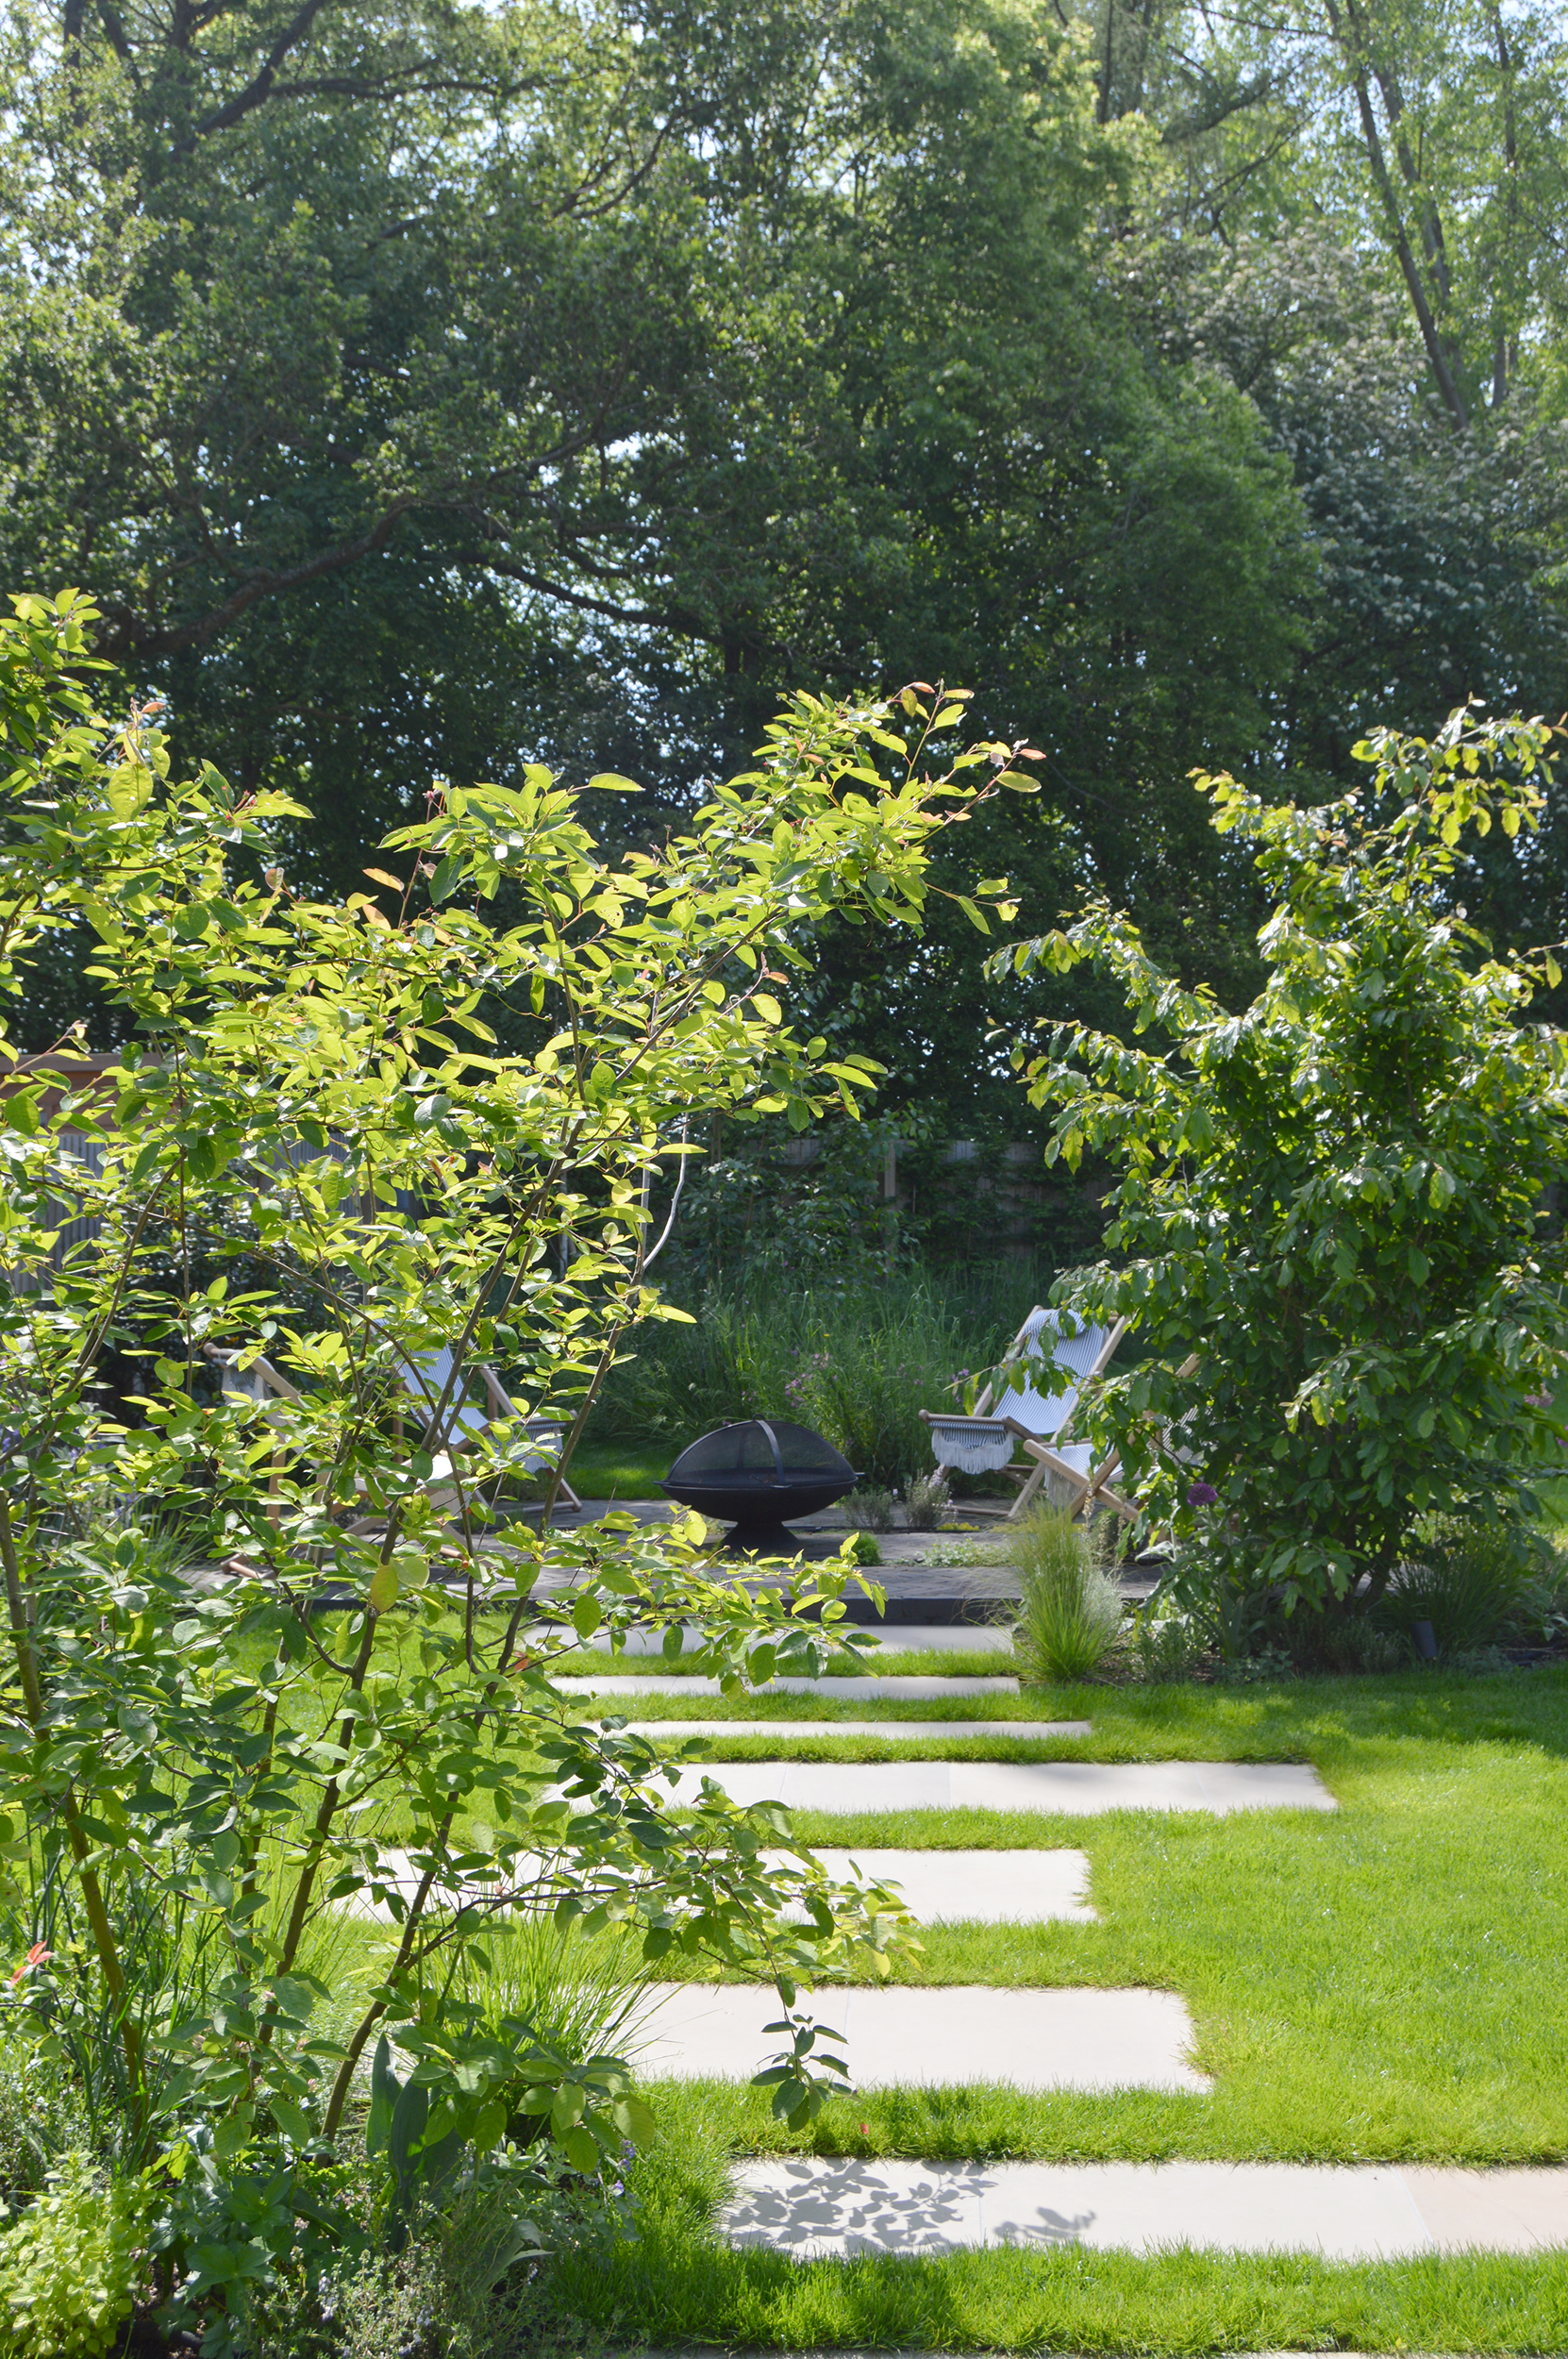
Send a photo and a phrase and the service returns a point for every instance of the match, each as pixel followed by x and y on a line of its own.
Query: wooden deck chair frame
pixel 1088 1491
pixel 548 1432
pixel 266 1378
pixel 1094 1489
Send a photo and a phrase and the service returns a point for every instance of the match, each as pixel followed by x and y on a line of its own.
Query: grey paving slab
pixel 891 1731
pixel 1491 2211
pixel 942 1888
pixel 1367 2213
pixel 975 1887
pixel 904 1687
pixel 1263 1785
pixel 1078 1789
pixel 894 1638
pixel 958 2037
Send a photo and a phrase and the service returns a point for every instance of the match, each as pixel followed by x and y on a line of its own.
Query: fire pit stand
pixel 753 1474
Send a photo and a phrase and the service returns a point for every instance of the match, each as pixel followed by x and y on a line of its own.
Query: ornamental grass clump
pixel 1071 1609
pixel 1467 1578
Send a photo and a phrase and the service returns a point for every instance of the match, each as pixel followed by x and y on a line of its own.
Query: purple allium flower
pixel 1201 1495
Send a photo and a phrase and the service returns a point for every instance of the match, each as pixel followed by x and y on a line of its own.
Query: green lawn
pixel 1382 1984
pixel 1385 1983
pixel 600 1470
pixel 953 1662
pixel 677 2287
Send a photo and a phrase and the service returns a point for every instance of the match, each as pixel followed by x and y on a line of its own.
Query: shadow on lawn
pixel 1317 1717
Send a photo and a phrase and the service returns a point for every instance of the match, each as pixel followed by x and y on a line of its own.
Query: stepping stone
pixel 897 1637
pixel 1372 2212
pixel 907 1687
pixel 975 1887
pixel 1078 1789
pixel 892 1732
pixel 952 2039
pixel 954 1887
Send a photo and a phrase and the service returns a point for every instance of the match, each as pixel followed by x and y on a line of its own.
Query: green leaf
pixel 634 2118
pixel 293 2119
pixel 382 1592
pixel 581 2149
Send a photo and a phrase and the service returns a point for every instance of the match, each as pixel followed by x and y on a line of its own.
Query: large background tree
pixel 431 390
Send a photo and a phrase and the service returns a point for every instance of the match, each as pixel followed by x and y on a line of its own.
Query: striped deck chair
pixel 1039 1422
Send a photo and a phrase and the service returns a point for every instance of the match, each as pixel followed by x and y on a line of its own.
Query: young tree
pixel 312 1147
pixel 1329 1233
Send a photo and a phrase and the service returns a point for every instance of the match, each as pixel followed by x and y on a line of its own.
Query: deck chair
pixel 426 1380
pixel 429 1377
pixel 1039 1422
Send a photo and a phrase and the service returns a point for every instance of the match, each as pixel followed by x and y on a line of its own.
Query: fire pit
pixel 753 1474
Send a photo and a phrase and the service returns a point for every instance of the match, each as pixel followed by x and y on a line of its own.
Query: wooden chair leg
pixel 1047 1462
pixel 1029 1492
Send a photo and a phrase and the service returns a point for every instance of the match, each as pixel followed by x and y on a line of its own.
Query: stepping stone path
pixel 897 1637
pixel 1077 1789
pixel 940 1888
pixel 1368 2213
pixel 1091 2040
pixel 952 2037
pixel 1028 2039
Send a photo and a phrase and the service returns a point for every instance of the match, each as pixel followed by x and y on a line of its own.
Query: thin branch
pixel 234 109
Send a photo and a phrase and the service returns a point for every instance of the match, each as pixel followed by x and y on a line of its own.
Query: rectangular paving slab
pixel 976 1887
pixel 907 1687
pixel 958 2037
pixel 1078 1789
pixel 892 1732
pixel 1368 2212
pixel 942 1888
pixel 897 1637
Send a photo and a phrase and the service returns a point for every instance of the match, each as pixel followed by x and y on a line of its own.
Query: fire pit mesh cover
pixel 763 1447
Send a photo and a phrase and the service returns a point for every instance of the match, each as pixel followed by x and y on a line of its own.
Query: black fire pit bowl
pixel 756 1474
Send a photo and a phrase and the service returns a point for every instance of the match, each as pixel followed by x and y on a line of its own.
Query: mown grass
pixel 1361 1724
pixel 676 2292
pixel 955 1662
pixel 678 2286
pixel 608 1470
pixel 1378 1984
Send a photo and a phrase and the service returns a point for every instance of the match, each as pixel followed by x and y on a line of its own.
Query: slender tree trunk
pixel 1346 33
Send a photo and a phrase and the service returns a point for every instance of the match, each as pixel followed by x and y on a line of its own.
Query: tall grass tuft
pixel 1468 1578
pixel 579 1993
pixel 859 1362
pixel 1071 1609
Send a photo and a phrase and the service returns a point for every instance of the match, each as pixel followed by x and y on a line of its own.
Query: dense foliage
pixel 1330 1229
pixel 430 390
pixel 311 1152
